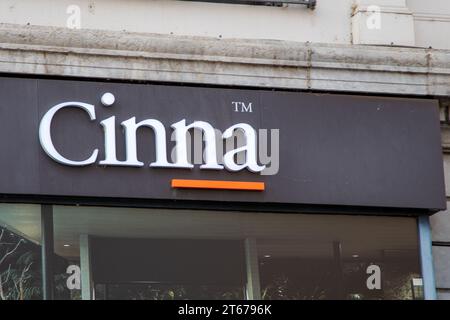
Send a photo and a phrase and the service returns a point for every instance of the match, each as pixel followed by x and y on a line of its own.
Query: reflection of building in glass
pixel 20 268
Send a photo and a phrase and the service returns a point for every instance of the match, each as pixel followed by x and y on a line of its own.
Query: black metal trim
pixel 440 244
pixel 47 251
pixel 215 205
pixel 310 4
pixel 209 85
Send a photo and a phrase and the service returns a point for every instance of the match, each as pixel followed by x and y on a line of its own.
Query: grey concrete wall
pixel 442 266
pixel 443 294
pixel 440 224
pixel 441 255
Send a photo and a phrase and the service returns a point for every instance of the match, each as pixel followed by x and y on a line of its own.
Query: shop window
pixel 341 257
pixel 124 253
pixel 20 252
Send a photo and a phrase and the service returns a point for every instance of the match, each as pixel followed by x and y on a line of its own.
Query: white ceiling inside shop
pixel 303 235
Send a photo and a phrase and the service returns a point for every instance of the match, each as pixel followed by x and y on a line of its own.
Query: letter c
pixel 45 136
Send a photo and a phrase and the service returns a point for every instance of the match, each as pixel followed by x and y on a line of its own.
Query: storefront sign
pixel 180 131
pixel 137 141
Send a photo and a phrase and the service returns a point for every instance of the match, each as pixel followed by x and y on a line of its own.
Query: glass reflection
pixel 20 260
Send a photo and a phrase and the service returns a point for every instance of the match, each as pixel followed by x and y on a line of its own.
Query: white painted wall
pixel 431 22
pixel 383 22
pixel 421 23
pixel 328 23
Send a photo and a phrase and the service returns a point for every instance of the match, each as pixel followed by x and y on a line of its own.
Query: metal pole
pixel 47 252
pixel 85 265
pixel 426 258
pixel 252 266
pixel 339 272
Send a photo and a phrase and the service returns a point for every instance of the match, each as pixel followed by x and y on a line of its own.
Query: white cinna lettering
pixel 45 136
pixel 181 130
pixel 249 148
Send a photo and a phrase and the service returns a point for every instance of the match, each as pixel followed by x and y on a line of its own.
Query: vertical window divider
pixel 87 288
pixel 47 251
pixel 253 288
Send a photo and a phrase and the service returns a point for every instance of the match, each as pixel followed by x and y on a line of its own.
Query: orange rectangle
pixel 215 184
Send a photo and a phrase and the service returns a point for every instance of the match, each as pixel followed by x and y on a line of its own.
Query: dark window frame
pixel 310 4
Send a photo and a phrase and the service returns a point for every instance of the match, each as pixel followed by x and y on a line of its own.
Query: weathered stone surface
pixel 440 225
pixel 262 63
pixel 441 257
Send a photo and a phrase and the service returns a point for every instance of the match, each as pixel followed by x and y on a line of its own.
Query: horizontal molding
pixel 431 17
pixel 258 63
pixel 383 9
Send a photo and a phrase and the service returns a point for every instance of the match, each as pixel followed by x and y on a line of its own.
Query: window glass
pixel 20 252
pixel 196 254
pixel 340 257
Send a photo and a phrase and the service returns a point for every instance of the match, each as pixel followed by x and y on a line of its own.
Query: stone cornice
pixel 272 64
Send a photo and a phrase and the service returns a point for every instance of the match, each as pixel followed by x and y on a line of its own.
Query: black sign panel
pixel 333 149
